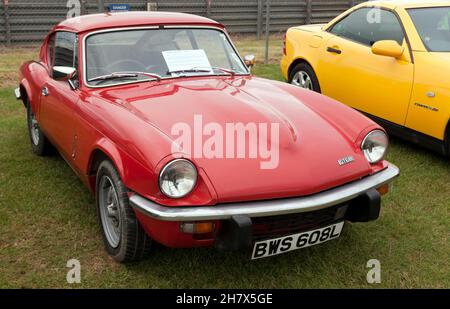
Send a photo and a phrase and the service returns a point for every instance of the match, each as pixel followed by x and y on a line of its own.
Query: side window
pixel 389 28
pixel 367 27
pixel 65 50
pixel 51 50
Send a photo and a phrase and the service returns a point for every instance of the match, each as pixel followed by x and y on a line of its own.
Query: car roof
pixel 392 4
pixel 131 19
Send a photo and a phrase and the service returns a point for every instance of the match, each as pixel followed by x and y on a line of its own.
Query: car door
pixel 429 110
pixel 58 99
pixel 351 73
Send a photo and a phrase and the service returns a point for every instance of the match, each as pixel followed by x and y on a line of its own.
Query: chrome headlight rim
pixel 166 167
pixel 385 148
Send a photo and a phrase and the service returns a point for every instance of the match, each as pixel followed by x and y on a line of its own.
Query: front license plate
pixel 285 244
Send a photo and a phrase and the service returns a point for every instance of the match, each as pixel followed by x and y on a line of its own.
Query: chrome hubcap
pixel 302 79
pixel 110 211
pixel 34 130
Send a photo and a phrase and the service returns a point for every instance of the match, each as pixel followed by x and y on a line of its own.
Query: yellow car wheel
pixel 302 75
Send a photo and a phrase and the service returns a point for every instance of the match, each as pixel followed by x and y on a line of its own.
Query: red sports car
pixel 160 117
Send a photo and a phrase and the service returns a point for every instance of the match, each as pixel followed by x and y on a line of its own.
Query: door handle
pixel 334 50
pixel 44 91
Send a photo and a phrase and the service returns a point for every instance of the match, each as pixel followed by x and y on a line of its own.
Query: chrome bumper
pixel 17 93
pixel 265 208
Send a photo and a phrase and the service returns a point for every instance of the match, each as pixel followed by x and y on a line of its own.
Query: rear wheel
pixel 39 142
pixel 302 75
pixel 124 238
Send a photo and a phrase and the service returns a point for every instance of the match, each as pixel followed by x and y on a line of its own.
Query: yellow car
pixel 387 59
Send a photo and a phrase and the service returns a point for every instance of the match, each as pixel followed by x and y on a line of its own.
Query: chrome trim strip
pixel 17 93
pixel 264 208
pixel 85 81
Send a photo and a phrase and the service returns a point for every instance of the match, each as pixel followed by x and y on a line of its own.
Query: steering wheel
pixel 133 65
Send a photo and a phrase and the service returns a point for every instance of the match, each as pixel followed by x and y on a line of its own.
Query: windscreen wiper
pixel 228 71
pixel 120 75
pixel 202 70
pixel 193 70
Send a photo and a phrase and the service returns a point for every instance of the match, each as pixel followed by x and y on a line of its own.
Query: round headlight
pixel 375 145
pixel 178 178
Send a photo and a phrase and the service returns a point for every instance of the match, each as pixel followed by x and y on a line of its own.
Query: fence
pixel 28 21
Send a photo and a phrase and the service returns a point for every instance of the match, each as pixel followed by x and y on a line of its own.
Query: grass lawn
pixel 48 217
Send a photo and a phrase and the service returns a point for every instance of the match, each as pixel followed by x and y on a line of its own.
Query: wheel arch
pixel 24 93
pixel 298 61
pixel 104 150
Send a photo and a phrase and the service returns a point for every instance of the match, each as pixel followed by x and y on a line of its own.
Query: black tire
pixel 40 145
pixel 447 139
pixel 133 243
pixel 309 71
pixel 448 147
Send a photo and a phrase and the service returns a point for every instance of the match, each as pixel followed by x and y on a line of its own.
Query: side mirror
pixel 388 48
pixel 249 60
pixel 64 74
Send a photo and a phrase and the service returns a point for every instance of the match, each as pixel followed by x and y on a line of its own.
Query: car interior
pixel 433 26
pixel 143 55
pixel 142 50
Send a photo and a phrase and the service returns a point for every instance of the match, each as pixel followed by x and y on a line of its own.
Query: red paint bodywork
pixel 131 124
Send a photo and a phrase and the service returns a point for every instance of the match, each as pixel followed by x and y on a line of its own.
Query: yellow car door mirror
pixel 389 48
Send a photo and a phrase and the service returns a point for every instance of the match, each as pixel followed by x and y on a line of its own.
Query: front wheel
pixel 302 75
pixel 124 238
pixel 39 142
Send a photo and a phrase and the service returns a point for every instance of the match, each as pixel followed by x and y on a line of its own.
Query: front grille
pixel 278 226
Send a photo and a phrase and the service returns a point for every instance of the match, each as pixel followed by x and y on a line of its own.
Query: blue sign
pixel 119 7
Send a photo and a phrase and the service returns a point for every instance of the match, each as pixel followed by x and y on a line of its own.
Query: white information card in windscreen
pixel 181 60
